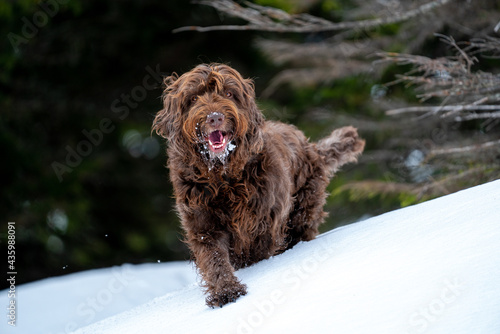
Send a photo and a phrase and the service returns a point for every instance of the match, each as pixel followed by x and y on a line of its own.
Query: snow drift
pixel 428 268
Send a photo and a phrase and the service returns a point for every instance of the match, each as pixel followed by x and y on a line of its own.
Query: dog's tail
pixel 340 147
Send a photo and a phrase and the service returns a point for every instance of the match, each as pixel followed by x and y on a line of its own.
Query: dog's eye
pixel 229 94
pixel 194 98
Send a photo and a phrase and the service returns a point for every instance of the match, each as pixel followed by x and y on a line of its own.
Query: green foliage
pixel 6 10
pixel 76 7
pixel 331 5
pixel 286 5
pixel 349 94
pixel 399 90
pixel 9 9
pixel 407 199
pixel 388 29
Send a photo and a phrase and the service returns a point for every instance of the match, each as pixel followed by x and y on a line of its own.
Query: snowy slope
pixel 429 268
pixel 63 304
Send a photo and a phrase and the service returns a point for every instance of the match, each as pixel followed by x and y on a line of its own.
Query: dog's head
pixel 210 109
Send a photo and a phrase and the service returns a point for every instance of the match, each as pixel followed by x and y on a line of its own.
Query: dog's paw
pixel 228 294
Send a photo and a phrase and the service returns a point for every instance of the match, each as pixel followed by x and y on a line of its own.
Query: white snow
pixel 65 303
pixel 428 268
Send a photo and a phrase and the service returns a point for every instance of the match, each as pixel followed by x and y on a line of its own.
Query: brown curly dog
pixel 246 189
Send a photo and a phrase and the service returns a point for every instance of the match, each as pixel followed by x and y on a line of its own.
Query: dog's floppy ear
pixel 256 119
pixel 166 119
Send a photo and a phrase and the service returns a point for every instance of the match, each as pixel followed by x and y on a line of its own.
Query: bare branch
pixel 304 77
pixel 445 185
pixel 488 47
pixel 463 149
pixel 451 79
pixel 437 109
pixel 463 55
pixel 438 187
pixel 485 115
pixel 281 52
pixel 271 19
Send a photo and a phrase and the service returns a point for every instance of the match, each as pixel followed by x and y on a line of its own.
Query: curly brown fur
pixel 246 189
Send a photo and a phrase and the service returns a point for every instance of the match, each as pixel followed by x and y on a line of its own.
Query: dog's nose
pixel 215 119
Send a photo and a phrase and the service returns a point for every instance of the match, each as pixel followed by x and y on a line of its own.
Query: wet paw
pixel 228 294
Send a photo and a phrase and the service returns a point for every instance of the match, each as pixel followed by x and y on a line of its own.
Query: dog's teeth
pixel 217 146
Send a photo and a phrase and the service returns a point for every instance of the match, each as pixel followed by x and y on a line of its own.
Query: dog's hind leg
pixel 309 198
pixel 307 213
pixel 323 160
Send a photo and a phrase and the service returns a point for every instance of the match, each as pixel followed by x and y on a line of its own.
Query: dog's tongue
pixel 216 137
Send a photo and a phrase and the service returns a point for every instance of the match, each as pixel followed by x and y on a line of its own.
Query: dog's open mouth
pixel 218 140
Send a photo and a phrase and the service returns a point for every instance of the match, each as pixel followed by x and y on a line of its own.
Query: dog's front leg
pixel 211 253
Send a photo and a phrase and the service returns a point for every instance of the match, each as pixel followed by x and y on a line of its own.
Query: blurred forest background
pixel 85 180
